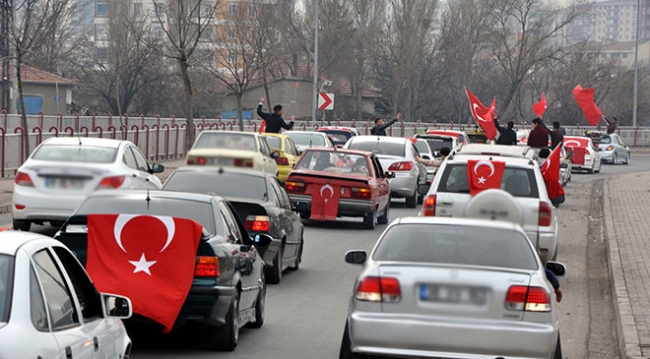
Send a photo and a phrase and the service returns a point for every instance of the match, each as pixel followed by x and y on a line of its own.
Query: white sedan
pixel 63 171
pixel 49 308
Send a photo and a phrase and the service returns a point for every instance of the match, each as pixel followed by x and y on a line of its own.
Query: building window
pixel 138 8
pixel 101 8
pixel 207 9
pixel 101 32
pixel 251 10
pixel 160 8
pixel 157 31
pixel 102 55
pixel 207 34
pixel 232 9
pixel 232 34
pixel 232 58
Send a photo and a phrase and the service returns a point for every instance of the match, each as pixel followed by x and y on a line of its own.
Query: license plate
pixel 221 161
pixel 453 294
pixel 64 183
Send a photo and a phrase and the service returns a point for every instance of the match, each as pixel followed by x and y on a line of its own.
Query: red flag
pixel 484 116
pixel 585 99
pixel 484 174
pixel 540 107
pixel 551 174
pixel 413 139
pixel 579 148
pixel 149 259
pixel 263 127
pixel 325 202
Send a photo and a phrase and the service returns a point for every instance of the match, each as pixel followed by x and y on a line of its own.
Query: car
pixel 63 171
pixel 566 168
pixel 49 308
pixel 522 199
pixel 397 155
pixel 452 288
pixel 308 139
pixel 220 301
pixel 436 142
pixel 426 153
pixel 592 162
pixel 261 203
pixel 477 136
pixel 288 153
pixel 339 135
pixel 459 135
pixel 611 148
pixel 355 178
pixel 233 149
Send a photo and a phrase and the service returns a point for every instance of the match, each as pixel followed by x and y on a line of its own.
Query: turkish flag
pixel 149 259
pixel 263 127
pixel 551 174
pixel 325 202
pixel 540 107
pixel 484 116
pixel 484 174
pixel 585 99
pixel 578 157
pixel 579 148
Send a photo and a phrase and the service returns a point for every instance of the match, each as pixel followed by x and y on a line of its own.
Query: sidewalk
pixel 7 184
pixel 627 229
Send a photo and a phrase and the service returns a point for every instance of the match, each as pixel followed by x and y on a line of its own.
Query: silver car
pixel 308 139
pixel 397 155
pixel 452 288
pixel 611 148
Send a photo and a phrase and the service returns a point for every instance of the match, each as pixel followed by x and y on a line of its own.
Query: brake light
pixel 257 224
pixel 23 179
pixel 112 182
pixel 283 161
pixel 529 299
pixel 360 192
pixel 545 214
pixel 378 289
pixel 292 186
pixel 401 166
pixel 239 162
pixel 190 161
pixel 207 267
pixel 429 207
pixel 201 161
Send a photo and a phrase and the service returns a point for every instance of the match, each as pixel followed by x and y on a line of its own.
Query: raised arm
pixel 261 113
pixel 288 126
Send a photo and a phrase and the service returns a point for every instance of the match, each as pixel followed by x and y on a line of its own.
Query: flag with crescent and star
pixel 325 202
pixel 551 174
pixel 484 115
pixel 579 149
pixel 484 174
pixel 149 259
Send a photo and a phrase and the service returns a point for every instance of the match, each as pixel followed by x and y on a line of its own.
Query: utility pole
pixel 314 103
pixel 636 62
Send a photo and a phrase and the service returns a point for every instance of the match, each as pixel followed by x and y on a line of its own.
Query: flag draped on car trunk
pixel 484 174
pixel 585 99
pixel 325 202
pixel 483 115
pixel 540 107
pixel 551 174
pixel 149 259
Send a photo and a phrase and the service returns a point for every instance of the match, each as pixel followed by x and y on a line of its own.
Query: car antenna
pixel 148 199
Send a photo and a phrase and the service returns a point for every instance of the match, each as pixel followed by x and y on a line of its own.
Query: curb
pixel 628 337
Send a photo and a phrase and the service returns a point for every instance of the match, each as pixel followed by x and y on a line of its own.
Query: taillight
pixel 429 206
pixel 530 299
pixel 401 166
pixel 207 267
pixel 112 182
pixel 379 289
pixel 283 161
pixel 292 186
pixel 190 161
pixel 238 162
pixel 545 214
pixel 23 179
pixel 257 224
pixel 201 161
pixel 360 192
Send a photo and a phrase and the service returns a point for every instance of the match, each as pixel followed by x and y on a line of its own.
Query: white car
pixel 611 148
pixel 63 171
pixel 233 149
pixel 49 308
pixel 309 139
pixel 592 162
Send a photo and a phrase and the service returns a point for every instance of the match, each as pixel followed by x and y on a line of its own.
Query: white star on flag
pixel 142 265
pixel 481 180
pixel 326 200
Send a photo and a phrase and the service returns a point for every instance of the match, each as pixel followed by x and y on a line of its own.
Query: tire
pixel 296 264
pixel 260 306
pixel 22 225
pixel 225 338
pixel 590 171
pixel 412 202
pixel 627 159
pixel 615 160
pixel 558 348
pixel 383 219
pixel 369 220
pixel 346 351
pixel 274 273
pixel 304 215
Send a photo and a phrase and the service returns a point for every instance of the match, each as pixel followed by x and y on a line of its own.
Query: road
pixel 306 311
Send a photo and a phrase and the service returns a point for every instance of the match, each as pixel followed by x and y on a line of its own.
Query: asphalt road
pixel 306 311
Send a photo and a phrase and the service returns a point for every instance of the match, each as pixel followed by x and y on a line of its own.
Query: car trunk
pixel 73 178
pixel 387 160
pixel 319 179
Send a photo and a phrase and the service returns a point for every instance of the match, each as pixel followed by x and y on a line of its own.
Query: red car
pixel 329 183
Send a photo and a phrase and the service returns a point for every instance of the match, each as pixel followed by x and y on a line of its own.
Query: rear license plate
pixel 62 182
pixel 453 294
pixel 221 161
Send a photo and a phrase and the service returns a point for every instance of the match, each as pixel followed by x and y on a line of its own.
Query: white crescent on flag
pixel 484 163
pixel 328 187
pixel 475 106
pixel 123 219
pixel 577 143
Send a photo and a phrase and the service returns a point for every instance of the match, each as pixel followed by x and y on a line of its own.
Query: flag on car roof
pixel 483 115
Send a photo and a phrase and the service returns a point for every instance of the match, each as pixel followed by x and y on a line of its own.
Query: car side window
pixel 289 147
pixel 128 158
pixel 378 170
pixel 228 217
pixel 142 163
pixel 36 304
pixel 620 142
pixel 87 295
pixel 264 147
pixel 415 151
pixel 62 311
pixel 283 199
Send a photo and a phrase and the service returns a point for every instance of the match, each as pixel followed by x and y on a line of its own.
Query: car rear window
pixel 453 244
pixel 241 185
pixel 307 139
pixel 274 142
pixel 379 147
pixel 422 147
pixel 337 162
pixel 75 153
pixel 235 141
pixel 519 182
pixel 437 143
pixel 339 137
pixel 6 279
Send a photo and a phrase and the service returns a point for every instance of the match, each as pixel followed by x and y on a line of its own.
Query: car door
pixel 149 180
pixel 383 185
pixel 62 310
pixel 268 163
pixel 290 220
pixel 291 151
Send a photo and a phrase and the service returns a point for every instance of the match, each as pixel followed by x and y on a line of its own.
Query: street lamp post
pixel 636 62
pixel 314 103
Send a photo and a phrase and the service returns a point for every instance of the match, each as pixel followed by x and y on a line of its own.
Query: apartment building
pixel 615 21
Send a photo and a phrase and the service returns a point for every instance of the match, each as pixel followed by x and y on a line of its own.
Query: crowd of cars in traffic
pixel 454 280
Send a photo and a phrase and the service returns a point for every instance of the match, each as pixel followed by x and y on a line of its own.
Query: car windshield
pixel 452 244
pixel 241 185
pixel 6 278
pixel 274 142
pixel 421 146
pixel 379 147
pixel 306 139
pixel 75 153
pixel 437 143
pixel 200 212
pixel 519 182
pixel 338 162
pixel 235 141
pixel 339 137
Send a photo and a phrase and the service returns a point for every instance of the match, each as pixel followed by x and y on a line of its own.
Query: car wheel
pixel 558 348
pixel 590 171
pixel 225 337
pixel 274 273
pixel 296 264
pixel 346 351
pixel 22 225
pixel 383 219
pixel 412 202
pixel 260 305
pixel 370 220
pixel 627 159
pixel 304 215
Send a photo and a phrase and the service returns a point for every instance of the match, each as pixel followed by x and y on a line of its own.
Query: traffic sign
pixel 325 101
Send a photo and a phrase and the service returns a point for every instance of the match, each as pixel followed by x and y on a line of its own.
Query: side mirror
pixel 157 168
pixel 426 157
pixel 356 257
pixel 116 306
pixel 557 268
pixel 275 154
pixel 423 189
pixel 389 174
pixel 262 240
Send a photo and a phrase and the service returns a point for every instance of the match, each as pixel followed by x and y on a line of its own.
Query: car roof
pixel 340 128
pixel 132 194
pixel 457 221
pixel 218 170
pixel 380 139
pixel 436 131
pixel 434 135
pixel 229 132
pixel 11 241
pixel 85 141
pixel 338 150
pixel 577 137
pixel 306 132
pixel 497 150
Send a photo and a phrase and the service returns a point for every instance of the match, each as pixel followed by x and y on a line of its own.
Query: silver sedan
pixel 612 149
pixel 452 288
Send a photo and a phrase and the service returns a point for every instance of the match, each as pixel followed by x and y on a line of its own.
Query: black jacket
pixel 273 122
pixel 506 136
pixel 556 138
pixel 381 129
